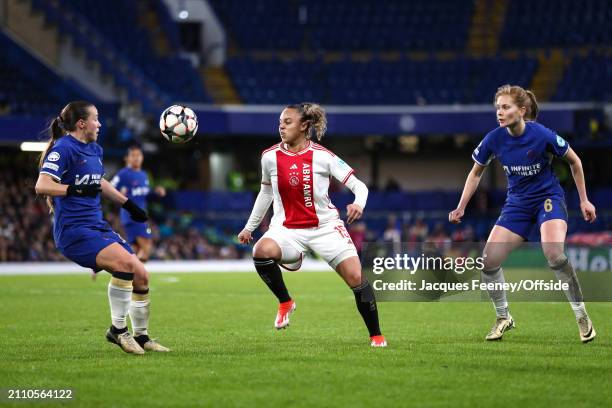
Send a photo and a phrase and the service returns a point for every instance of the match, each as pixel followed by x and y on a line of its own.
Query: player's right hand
pixel 456 215
pixel 84 190
pixel 136 213
pixel 245 236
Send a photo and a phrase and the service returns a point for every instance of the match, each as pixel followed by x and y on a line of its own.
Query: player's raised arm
pixel 111 193
pixel 588 209
pixel 471 184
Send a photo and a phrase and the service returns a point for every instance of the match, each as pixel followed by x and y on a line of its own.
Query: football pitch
pixel 227 353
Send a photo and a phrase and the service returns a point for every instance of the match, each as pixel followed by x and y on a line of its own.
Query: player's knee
pixel 127 264
pixel 353 278
pixel 267 249
pixel 490 261
pixel 141 278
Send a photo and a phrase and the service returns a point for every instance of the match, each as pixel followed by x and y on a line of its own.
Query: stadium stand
pixel 342 53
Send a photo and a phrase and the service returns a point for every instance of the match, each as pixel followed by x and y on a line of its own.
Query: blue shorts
pixel 136 229
pixel 90 242
pixel 521 219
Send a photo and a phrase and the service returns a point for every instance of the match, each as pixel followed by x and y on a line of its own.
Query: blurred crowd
pixel 26 230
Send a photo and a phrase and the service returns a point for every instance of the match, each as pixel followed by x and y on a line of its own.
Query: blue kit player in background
pixel 71 176
pixel 133 182
pixel 525 149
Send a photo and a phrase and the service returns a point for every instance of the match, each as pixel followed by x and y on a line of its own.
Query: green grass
pixel 226 352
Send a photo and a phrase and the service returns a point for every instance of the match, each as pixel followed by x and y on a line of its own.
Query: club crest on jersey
pixel 560 141
pixel 294 179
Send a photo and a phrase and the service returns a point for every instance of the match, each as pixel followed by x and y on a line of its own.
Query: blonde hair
pixel 522 98
pixel 314 114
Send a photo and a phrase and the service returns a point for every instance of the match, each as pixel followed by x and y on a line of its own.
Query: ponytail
pixel 55 132
pixel 533 109
pixel 314 114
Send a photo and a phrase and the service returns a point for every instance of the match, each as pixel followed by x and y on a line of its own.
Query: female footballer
pixel 295 177
pixel 525 149
pixel 133 182
pixel 71 176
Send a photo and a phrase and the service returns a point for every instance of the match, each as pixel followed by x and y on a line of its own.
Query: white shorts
pixel 330 241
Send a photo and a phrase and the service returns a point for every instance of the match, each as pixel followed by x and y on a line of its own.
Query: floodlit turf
pixel 226 352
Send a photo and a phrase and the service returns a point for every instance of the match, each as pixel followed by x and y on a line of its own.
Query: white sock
pixel 497 296
pixel 579 309
pixel 564 271
pixel 119 297
pixel 139 313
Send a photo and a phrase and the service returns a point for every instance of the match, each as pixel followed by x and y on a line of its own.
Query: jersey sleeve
pixel 483 153
pixel 118 181
pixel 555 144
pixel 339 169
pixel 265 170
pixel 56 162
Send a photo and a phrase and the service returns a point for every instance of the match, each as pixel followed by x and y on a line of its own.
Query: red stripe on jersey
pixel 295 185
pixel 269 148
pixel 319 147
pixel 347 176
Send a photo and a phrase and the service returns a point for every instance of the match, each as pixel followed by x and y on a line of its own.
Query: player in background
pixel 71 176
pixel 525 149
pixel 295 177
pixel 133 182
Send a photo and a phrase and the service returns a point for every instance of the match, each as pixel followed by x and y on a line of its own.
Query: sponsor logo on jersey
pixel 307 183
pixel 293 167
pixel 140 191
pixel 87 179
pixel 531 170
pixel 560 141
pixel 51 166
pixel 53 156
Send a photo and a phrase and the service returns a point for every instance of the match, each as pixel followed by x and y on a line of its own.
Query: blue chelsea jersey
pixel 135 185
pixel 71 161
pixel 526 160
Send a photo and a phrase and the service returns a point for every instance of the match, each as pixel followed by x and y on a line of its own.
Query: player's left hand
pixel 353 213
pixel 160 191
pixel 588 211
pixel 245 236
pixel 136 213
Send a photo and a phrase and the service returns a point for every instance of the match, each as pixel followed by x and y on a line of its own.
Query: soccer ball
pixel 178 124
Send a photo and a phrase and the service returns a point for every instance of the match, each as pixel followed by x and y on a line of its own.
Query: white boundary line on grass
pixel 69 268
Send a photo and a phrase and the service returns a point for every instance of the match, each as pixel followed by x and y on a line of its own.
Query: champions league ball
pixel 178 124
